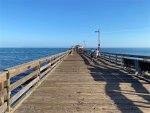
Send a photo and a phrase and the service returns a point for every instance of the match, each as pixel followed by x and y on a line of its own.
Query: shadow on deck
pixel 117 86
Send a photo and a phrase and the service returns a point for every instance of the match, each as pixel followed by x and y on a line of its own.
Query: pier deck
pixel 78 85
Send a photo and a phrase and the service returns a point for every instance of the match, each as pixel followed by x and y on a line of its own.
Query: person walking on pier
pixel 96 53
pixel 92 54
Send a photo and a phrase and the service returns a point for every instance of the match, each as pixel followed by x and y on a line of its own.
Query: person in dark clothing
pixel 92 54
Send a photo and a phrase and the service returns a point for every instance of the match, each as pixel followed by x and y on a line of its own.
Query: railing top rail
pixel 33 62
pixel 3 75
pixel 25 66
pixel 128 55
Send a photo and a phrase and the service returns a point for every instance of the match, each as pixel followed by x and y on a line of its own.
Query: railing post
pixel 122 61
pixel 116 59
pixel 50 62
pixel 8 92
pixel 38 68
pixel 137 67
pixel 104 56
pixel 1 88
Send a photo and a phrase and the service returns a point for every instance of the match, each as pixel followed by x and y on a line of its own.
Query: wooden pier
pixel 78 85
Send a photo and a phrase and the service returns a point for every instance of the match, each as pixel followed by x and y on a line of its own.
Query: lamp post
pixel 98 31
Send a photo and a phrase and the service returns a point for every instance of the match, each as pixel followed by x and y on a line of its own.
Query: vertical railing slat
pixel 8 92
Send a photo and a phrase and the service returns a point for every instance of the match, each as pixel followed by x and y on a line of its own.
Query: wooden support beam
pixel 22 68
pixel 8 93
pixel 2 93
pixel 3 107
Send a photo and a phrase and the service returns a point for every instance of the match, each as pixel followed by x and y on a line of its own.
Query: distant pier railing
pixel 18 82
pixel 138 64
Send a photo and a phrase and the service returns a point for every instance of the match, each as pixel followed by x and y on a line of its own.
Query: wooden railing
pixel 136 63
pixel 18 82
pixel 118 58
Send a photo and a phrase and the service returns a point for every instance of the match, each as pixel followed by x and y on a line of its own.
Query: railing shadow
pixel 113 78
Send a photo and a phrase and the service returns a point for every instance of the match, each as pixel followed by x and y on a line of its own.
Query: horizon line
pixel 71 46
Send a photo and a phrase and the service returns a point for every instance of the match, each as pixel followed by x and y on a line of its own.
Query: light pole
pixel 98 31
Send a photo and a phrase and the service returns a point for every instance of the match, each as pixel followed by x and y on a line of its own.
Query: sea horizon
pixel 70 47
pixel 23 55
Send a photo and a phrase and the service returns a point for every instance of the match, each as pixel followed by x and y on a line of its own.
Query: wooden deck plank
pixel 80 86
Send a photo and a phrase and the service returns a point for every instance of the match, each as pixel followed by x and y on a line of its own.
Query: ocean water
pixel 14 56
pixel 132 51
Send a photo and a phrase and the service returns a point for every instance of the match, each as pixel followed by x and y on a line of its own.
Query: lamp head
pixel 97 31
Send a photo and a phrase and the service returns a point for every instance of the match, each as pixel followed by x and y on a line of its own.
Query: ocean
pixel 132 51
pixel 14 56
pixel 10 57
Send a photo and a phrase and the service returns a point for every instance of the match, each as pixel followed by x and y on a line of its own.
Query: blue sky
pixel 63 23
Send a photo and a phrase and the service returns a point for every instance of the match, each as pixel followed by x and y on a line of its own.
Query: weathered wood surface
pixel 80 86
pixel 3 107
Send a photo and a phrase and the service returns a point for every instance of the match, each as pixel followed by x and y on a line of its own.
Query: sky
pixel 64 23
